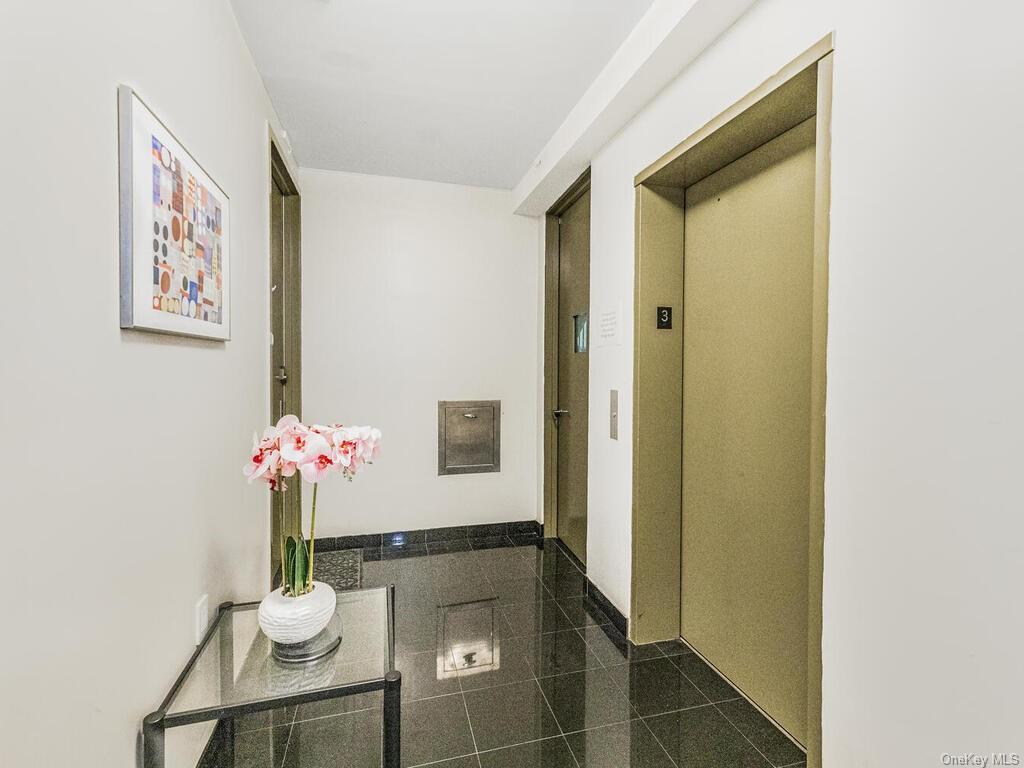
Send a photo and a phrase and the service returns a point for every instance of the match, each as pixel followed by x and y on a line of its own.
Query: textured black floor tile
pixel 453 588
pixel 772 743
pixel 673 647
pixel 445 534
pixel 703 738
pixel 556 653
pixel 567 551
pixel 435 729
pixel 420 679
pixel 453 545
pixel 371 554
pixel 462 564
pixel 587 699
pixel 414 596
pixel 535 618
pixel 352 740
pixel 625 745
pixel 358 540
pixel 566 584
pixel 400 551
pixel 414 570
pixel 509 714
pixel 525 539
pixel 512 666
pixel 655 686
pixel 416 630
pixel 547 753
pixel 547 563
pixel 377 573
pixel 473 632
pixel 466 761
pixel 707 680
pixel 263 748
pixel 372 700
pixel 523 527
pixel 583 612
pixel 266 719
pixel 402 538
pixel 486 530
pixel 491 542
pixel 614 648
pixel 519 590
pixel 502 563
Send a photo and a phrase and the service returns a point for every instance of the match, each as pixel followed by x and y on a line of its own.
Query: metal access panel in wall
pixel 468 436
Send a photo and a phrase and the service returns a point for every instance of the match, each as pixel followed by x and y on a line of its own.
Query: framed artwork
pixel 175 232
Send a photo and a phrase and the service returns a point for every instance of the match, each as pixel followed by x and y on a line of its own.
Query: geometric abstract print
pixel 187 242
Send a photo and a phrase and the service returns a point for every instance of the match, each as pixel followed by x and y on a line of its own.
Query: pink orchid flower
pixel 265 459
pixel 290 447
pixel 295 439
pixel 317 460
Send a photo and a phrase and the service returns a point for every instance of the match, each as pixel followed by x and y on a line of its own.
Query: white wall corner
pixel 667 38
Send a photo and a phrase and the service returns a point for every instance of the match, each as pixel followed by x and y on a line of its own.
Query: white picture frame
pixel 175 232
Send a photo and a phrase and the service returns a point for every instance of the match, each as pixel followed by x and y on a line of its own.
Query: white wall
pixel 765 39
pixel 124 500
pixel 415 292
pixel 924 538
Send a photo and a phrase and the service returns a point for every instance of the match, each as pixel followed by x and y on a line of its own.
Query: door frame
pixel 551 259
pixel 291 234
pixel 801 89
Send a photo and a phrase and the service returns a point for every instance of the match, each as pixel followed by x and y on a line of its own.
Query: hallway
pixel 569 690
pixel 723 297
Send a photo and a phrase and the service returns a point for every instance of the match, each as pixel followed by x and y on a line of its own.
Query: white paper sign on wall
pixel 609 327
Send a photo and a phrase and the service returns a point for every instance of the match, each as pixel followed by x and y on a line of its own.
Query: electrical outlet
pixel 202 617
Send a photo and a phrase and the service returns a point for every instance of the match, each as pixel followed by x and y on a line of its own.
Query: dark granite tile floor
pixel 558 687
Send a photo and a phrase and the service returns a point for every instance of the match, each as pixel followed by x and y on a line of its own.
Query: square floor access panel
pixel 468 436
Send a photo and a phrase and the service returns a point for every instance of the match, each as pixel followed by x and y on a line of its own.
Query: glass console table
pixel 233 672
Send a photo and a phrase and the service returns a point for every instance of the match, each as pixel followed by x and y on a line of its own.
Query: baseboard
pixel 514 528
pixel 619 621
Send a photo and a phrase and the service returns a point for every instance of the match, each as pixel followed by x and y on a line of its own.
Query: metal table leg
pixel 392 719
pixel 153 740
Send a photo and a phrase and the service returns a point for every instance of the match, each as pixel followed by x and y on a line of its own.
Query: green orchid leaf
pixel 301 567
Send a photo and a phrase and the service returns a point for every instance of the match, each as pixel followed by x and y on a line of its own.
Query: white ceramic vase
pixel 297 619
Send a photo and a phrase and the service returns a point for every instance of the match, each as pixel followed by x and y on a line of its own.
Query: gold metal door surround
pixel 285 330
pixel 567 366
pixel 799 92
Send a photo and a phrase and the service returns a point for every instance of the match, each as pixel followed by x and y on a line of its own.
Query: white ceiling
pixel 462 91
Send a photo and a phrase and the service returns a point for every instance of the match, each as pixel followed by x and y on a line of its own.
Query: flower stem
pixel 280 532
pixel 312 541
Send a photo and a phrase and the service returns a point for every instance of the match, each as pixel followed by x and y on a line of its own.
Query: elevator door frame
pixel 800 90
pixel 551 308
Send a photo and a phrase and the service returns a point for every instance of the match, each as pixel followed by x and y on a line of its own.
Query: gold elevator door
pixel 573 374
pixel 748 239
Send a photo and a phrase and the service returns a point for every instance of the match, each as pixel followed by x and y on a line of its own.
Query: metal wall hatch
pixel 468 436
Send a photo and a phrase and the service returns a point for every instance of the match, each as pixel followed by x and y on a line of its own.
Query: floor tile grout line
pixel 291 731
pixel 517 744
pixel 469 720
pixel 741 733
pixel 443 760
pixel 723 701
pixel 658 742
pixel 561 730
pixel 465 705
